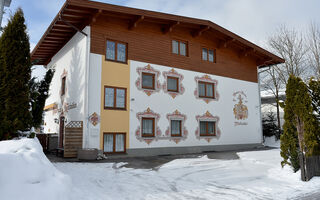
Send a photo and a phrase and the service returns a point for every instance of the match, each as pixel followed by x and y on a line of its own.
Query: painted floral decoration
pixel 175 74
pixel 176 115
pixel 208 79
pixel 151 70
pixel 208 117
pixel 149 114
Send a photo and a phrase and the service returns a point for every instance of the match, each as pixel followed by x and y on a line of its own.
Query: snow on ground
pixel 26 173
pixel 271 142
pixel 256 175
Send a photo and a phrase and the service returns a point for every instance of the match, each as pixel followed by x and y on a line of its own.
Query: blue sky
pixel 255 20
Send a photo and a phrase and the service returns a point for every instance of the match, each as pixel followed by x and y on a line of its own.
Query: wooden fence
pixel 73 139
pixel 310 167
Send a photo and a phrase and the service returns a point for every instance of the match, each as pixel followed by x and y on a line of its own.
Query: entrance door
pixel 61 132
pixel 114 142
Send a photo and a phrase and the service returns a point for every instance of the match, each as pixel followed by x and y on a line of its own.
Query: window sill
pixel 147 88
pixel 116 61
pixel 120 109
pixel 201 97
pixel 205 135
pixel 176 136
pixel 147 136
pixel 173 91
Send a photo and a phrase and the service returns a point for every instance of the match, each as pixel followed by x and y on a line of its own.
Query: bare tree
pixel 270 82
pixel 314 48
pixel 290 45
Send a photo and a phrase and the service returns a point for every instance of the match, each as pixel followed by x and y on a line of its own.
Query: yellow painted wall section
pixel 116 75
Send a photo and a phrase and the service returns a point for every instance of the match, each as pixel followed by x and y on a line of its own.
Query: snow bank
pixel 26 173
pixel 256 175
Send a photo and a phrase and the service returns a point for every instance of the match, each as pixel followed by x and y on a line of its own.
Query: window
pixel 147 127
pixel 207 128
pixel 115 98
pixel 116 51
pixel 172 84
pixel 114 142
pixel 179 47
pixel 206 90
pixel 147 81
pixel 208 55
pixel 63 86
pixel 176 128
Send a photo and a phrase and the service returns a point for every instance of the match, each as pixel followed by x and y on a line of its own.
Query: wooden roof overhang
pixel 77 14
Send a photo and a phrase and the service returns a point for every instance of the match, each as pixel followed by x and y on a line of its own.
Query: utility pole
pixel 3 3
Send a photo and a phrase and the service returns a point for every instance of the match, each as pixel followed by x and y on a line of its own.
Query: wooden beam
pixel 169 28
pixel 52 41
pixel 246 52
pixel 225 43
pixel 199 32
pixel 134 23
pixel 95 16
pixel 58 34
pixel 54 38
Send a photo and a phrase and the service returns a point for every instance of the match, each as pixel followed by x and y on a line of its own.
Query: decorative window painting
pixel 148 130
pixel 148 80
pixel 208 127
pixel 173 83
pixel 206 89
pixel 176 131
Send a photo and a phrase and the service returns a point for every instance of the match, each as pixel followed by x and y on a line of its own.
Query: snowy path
pixel 256 175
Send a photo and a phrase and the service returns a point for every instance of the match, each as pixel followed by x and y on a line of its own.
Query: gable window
pixel 207 128
pixel 63 86
pixel 172 84
pixel 116 51
pixel 147 80
pixel 208 55
pixel 147 127
pixel 115 98
pixel 206 90
pixel 179 47
pixel 176 128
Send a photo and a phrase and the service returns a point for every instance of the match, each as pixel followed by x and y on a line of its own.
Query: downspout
pixel 87 81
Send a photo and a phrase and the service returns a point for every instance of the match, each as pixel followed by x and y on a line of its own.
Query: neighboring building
pixel 149 83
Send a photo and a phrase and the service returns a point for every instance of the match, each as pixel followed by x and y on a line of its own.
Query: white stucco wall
pixel 163 104
pixel 71 60
pixel 94 100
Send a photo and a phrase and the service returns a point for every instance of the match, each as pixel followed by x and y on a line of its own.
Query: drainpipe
pixel 87 81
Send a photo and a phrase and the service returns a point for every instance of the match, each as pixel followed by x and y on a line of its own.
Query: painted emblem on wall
pixel 150 70
pixel 208 117
pixel 208 79
pixel 94 119
pixel 176 115
pixel 148 114
pixel 175 74
pixel 240 110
